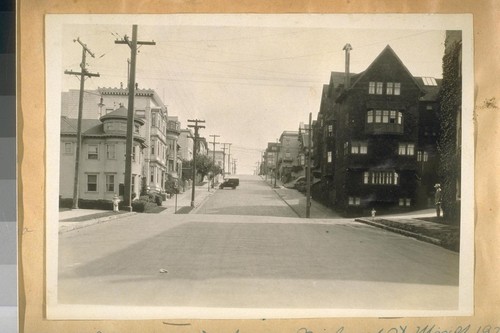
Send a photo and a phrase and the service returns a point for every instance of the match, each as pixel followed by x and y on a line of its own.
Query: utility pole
pixel 224 158
pixel 229 158
pixel 196 127
pixel 127 195
pixel 234 166
pixel 82 74
pixel 308 171
pixel 213 152
pixel 276 163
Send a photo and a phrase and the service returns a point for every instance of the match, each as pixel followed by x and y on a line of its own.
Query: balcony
pixel 384 128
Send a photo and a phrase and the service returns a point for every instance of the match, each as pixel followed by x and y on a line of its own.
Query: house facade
pixel 186 144
pixel 174 162
pixel 371 139
pixel 288 153
pixel 271 159
pixel 149 108
pixel 102 161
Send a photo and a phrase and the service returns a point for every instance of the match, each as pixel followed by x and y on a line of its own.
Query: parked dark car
pixel 231 182
pixel 300 184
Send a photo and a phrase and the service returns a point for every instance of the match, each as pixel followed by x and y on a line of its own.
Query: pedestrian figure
pixel 116 201
pixel 437 199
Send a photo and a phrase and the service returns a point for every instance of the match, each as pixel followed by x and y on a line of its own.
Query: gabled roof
pixel 386 51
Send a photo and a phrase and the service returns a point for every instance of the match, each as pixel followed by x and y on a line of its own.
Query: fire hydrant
pixel 116 201
pixel 373 212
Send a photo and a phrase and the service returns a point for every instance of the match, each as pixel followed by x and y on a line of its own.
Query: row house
pixel 271 158
pixel 305 132
pixel 287 155
pixel 375 136
pixel 186 143
pixel 174 161
pixel 102 161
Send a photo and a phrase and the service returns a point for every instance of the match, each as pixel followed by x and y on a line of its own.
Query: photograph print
pixel 259 166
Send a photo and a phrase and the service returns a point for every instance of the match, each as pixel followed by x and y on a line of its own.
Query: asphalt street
pixel 234 254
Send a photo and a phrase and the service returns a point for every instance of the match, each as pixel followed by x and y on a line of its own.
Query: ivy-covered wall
pixel 449 157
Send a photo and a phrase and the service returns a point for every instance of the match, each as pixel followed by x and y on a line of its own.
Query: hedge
pixel 139 206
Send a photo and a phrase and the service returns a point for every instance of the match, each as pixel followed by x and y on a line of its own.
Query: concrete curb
pixel 283 199
pixel 70 226
pixel 198 206
pixel 400 231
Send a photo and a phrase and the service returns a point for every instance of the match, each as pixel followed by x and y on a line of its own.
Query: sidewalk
pixel 412 224
pixel 80 218
pixel 73 219
pixel 297 202
pixel 202 194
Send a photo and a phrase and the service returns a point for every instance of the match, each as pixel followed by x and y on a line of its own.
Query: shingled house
pixel 376 137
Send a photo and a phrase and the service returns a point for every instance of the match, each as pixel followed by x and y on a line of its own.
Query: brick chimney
pixel 347 48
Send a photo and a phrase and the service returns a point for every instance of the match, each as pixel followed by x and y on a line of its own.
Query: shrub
pixel 65 203
pixel 87 204
pixel 141 206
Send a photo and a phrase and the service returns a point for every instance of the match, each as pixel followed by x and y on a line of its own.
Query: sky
pixel 249 81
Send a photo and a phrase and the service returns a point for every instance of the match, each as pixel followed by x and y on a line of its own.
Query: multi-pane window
pixel 359 147
pixel 422 156
pixel 153 147
pixel 393 88
pixel 152 174
pixel 371 88
pixel 92 183
pixel 380 88
pixel 397 88
pixel 133 153
pixel 68 147
pixel 330 130
pixel 384 117
pixel 381 178
pixel 369 117
pixel 390 88
pixel 406 149
pixel 404 202
pixel 354 201
pixel 110 183
pixel 110 151
pixel 92 152
pixel 329 157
